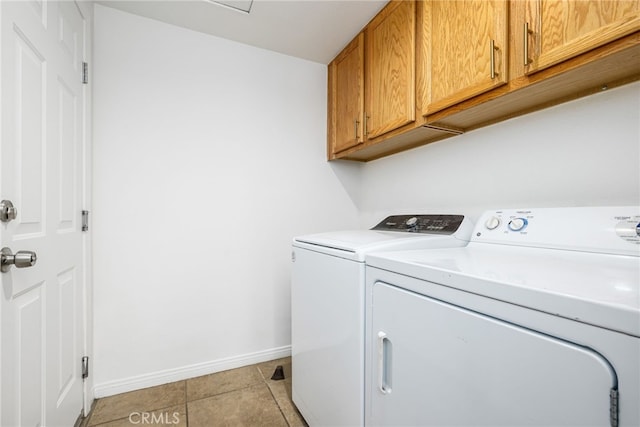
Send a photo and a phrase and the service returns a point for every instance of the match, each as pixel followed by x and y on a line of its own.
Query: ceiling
pixel 315 30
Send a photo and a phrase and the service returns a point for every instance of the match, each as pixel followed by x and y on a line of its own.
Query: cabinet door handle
pixel 355 128
pixel 384 367
pixel 493 48
pixel 364 128
pixel 525 49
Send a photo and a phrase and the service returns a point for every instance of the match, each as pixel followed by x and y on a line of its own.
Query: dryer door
pixel 437 364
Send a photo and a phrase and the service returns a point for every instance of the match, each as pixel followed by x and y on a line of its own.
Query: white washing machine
pixel 535 323
pixel 327 309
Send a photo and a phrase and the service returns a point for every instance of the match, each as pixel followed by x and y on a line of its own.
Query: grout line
pixel 268 382
pixel 186 403
pixel 260 372
pixel 278 405
pixel 273 396
pixel 225 392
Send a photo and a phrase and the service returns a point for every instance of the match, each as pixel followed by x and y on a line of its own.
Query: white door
pixel 41 160
pixel 437 364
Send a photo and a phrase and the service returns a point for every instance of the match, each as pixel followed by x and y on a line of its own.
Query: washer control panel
pixel 506 221
pixel 430 224
pixel 613 230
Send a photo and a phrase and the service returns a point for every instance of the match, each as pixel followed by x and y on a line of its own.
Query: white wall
pixel 209 156
pixel 581 153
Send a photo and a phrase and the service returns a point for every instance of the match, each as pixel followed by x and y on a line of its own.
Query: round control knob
pixel 492 223
pixel 518 224
pixel 411 222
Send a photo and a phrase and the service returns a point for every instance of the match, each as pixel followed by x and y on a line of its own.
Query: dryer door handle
pixel 384 363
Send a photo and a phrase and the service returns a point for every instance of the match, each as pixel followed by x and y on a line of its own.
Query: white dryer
pixel 535 323
pixel 327 309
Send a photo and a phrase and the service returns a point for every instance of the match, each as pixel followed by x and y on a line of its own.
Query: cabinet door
pixel 346 95
pixel 466 44
pixel 390 71
pixel 557 30
pixel 436 364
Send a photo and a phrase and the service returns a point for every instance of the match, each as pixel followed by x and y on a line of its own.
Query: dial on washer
pixel 492 223
pixel 411 222
pixel 517 224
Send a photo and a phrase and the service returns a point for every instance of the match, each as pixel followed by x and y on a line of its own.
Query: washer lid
pixel 598 289
pixel 355 244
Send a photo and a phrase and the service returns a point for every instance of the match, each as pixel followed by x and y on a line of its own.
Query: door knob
pixel 20 259
pixel 7 211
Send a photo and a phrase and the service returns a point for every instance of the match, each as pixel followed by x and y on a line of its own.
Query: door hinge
pixel 613 407
pixel 85 220
pixel 85 73
pixel 85 367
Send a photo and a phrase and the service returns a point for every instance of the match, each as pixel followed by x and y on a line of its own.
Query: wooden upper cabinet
pixel 390 68
pixel 466 44
pixel 425 70
pixel 346 97
pixel 557 30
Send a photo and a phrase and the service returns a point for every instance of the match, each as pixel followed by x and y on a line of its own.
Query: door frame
pixel 86 8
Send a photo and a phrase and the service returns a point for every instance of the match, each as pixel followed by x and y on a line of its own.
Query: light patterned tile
pixel 251 406
pixel 175 416
pixel 222 382
pixel 149 399
pixel 281 391
pixel 239 397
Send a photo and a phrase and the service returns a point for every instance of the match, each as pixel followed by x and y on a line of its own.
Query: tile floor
pixel 239 397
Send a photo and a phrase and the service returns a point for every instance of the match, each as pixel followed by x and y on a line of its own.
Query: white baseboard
pixel 185 372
